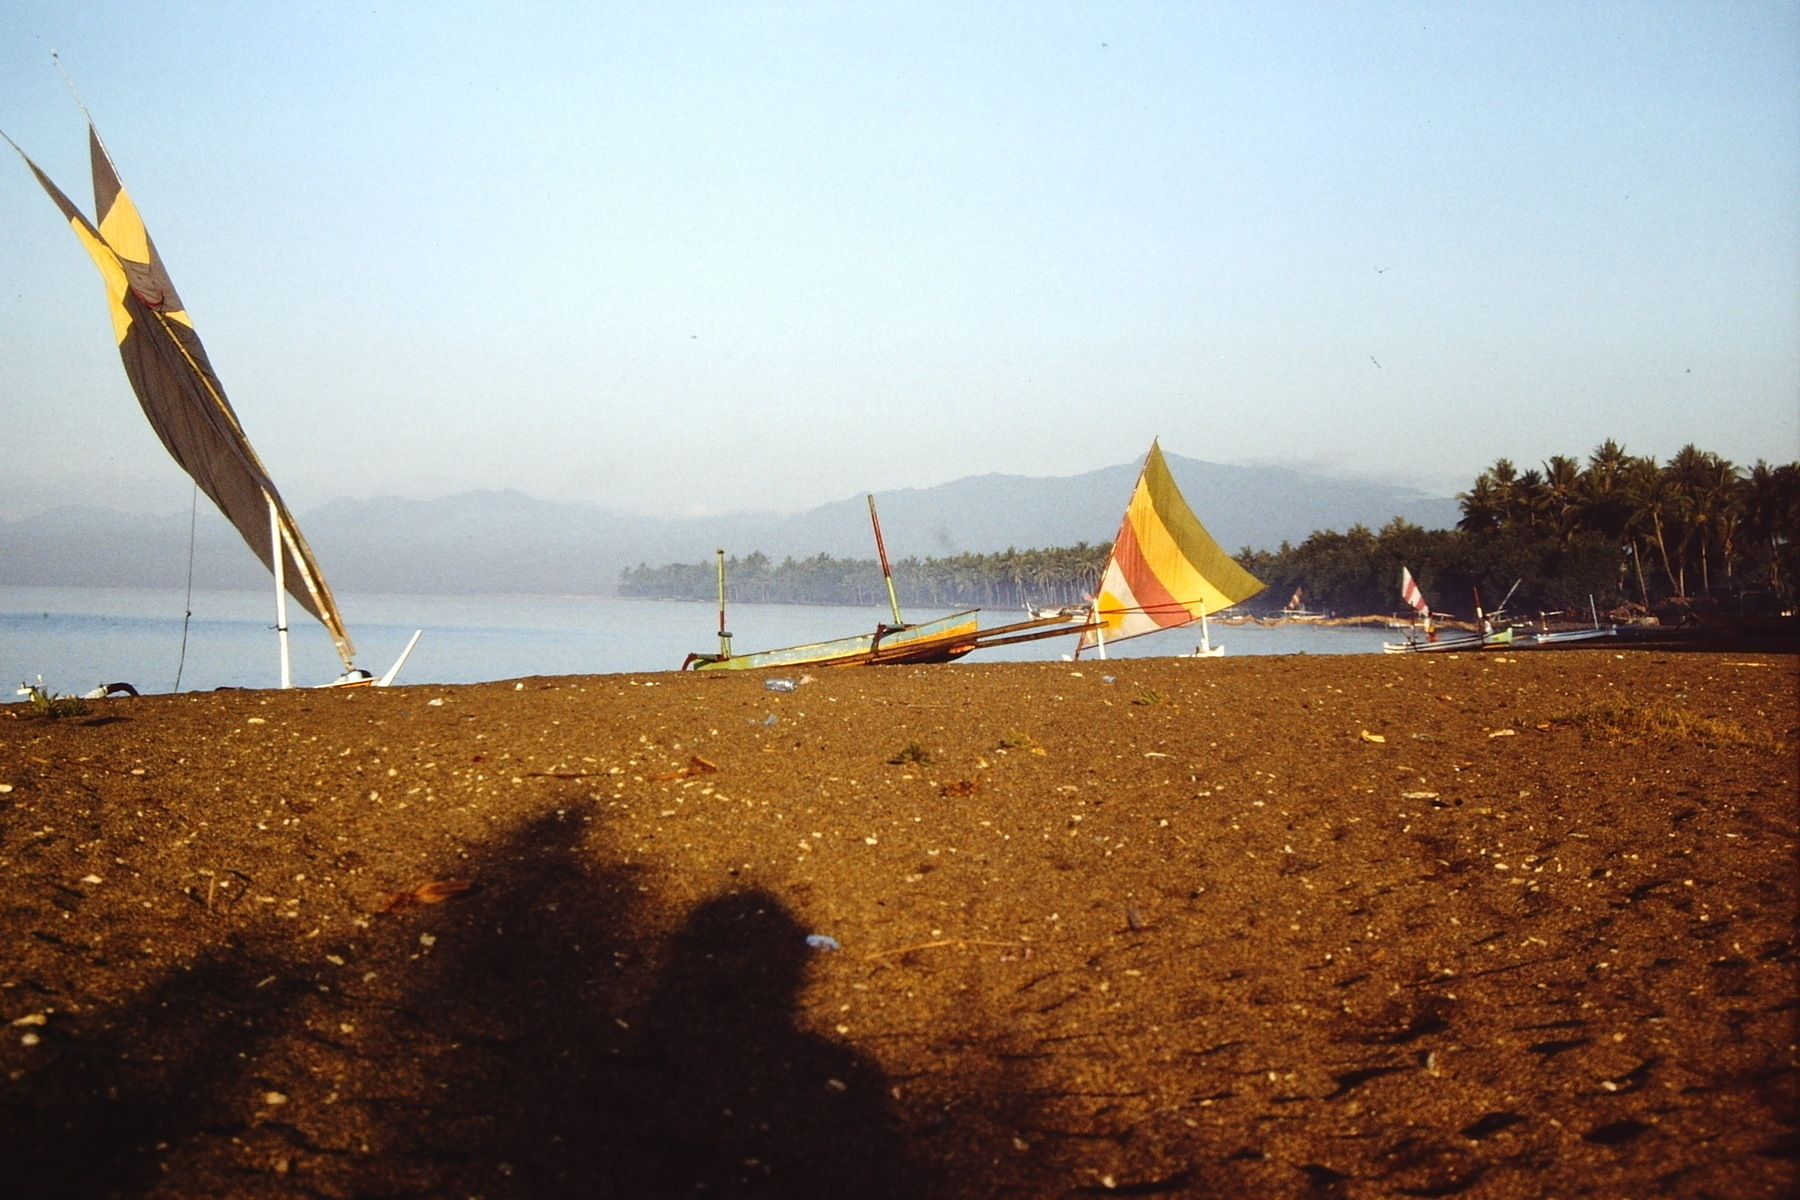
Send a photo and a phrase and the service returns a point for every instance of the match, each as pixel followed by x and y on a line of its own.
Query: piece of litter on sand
pixel 822 941
pixel 1372 737
pixel 770 719
pixel 435 892
pixel 696 766
pixel 779 685
pixel 1135 919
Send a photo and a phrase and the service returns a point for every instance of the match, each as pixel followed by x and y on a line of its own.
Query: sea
pixel 76 639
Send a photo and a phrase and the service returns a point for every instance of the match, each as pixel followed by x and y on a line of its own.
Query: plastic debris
pixel 1108 679
pixel 1372 737
pixel 770 719
pixel 822 941
pixel 779 685
pixel 1136 920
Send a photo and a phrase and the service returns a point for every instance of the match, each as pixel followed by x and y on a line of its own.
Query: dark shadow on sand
pixel 559 1035
pixel 572 1054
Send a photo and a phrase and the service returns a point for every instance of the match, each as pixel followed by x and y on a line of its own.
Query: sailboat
pixel 1165 570
pixel 1296 609
pixel 186 405
pixel 944 639
pixel 1423 638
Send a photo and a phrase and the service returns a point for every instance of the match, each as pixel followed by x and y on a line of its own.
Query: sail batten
pixel 180 394
pixel 1165 570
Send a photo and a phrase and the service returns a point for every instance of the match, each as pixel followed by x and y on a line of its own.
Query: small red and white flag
pixel 1409 592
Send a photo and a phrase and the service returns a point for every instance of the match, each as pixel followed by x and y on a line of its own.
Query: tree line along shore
pixel 1621 529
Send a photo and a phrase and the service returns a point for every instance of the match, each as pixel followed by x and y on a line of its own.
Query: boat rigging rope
pixel 188 604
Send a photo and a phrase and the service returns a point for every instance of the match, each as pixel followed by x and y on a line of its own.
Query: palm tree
pixel 1561 496
pixel 1701 483
pixel 1481 506
pixel 1653 511
pixel 1770 498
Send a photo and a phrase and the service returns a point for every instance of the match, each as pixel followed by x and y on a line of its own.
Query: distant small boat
pixel 1546 637
pixel 1296 609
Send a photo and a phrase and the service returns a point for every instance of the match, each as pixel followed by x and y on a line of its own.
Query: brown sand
pixel 1216 938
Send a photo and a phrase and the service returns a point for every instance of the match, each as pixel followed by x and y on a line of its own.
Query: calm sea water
pixel 77 638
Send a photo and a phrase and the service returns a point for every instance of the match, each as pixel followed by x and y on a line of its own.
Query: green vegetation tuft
pixel 1151 698
pixel 45 703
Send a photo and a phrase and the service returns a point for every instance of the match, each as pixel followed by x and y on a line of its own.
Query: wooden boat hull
pixel 1497 640
pixel 1572 635
pixel 943 640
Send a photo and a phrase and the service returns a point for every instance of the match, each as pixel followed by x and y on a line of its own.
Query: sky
pixel 697 258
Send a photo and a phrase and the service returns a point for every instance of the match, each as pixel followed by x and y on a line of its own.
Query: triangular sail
pixel 1409 592
pixel 176 387
pixel 1165 570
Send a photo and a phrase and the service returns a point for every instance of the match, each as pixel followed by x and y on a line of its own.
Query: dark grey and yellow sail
pixel 179 392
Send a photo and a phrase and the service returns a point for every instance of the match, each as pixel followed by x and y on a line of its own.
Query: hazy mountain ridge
pixel 507 541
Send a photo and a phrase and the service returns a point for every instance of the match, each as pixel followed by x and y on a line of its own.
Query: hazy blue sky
pixel 701 257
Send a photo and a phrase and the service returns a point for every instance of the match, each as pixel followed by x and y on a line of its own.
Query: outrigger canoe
pixel 944 640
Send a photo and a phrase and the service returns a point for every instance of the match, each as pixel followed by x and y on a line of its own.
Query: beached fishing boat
pixel 1547 636
pixel 1165 570
pixel 1424 639
pixel 185 403
pixel 1475 641
pixel 944 639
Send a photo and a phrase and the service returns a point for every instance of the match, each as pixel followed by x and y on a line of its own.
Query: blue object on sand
pixel 822 941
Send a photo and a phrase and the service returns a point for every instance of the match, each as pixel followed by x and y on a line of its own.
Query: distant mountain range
pixel 508 542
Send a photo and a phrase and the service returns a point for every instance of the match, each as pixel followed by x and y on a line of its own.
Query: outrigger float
pixel 944 639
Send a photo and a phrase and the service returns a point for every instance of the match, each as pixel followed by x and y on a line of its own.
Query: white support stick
pixel 394 671
pixel 278 552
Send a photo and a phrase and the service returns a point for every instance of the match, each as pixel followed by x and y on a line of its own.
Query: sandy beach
pixel 1482 925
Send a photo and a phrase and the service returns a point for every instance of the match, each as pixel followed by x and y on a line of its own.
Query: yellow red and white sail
pixel 1165 570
